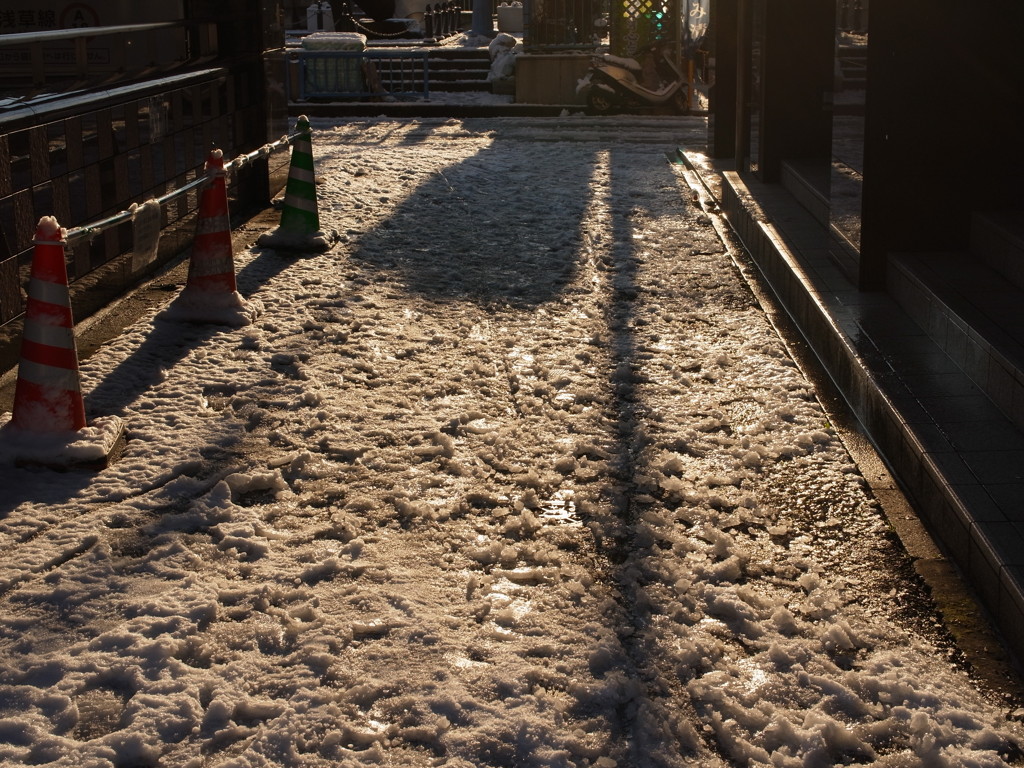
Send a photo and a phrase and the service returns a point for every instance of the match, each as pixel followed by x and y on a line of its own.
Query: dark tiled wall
pixel 86 166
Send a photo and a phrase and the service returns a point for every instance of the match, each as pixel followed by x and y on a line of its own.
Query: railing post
pixel 81 57
pixel 38 72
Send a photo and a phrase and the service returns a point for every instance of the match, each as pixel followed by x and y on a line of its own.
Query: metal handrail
pixel 89 231
pixel 27 38
pixel 39 110
pixel 81 39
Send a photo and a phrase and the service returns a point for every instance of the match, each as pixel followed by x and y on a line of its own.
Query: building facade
pixel 871 167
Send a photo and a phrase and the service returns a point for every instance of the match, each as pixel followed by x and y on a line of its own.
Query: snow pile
pixel 194 305
pixel 503 50
pixel 517 474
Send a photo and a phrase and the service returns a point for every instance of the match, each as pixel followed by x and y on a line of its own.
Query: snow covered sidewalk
pixel 518 474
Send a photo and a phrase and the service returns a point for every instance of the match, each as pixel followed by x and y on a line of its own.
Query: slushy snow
pixel 517 474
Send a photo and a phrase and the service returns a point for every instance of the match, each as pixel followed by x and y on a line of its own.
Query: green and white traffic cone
pixel 300 212
pixel 299 229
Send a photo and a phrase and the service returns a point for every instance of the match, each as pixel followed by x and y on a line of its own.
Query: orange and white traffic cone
pixel 48 421
pixel 211 293
pixel 48 394
pixel 212 266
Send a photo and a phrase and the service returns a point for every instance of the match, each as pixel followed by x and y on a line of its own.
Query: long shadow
pixel 494 204
pixel 171 341
pixel 433 241
pixel 44 486
pixel 167 344
pixel 633 551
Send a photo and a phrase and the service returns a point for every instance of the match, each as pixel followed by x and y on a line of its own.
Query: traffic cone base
pixel 281 239
pixel 196 306
pixel 94 446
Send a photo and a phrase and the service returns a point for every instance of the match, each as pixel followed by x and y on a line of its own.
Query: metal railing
pixel 362 74
pixel 852 15
pixel 85 157
pixel 33 61
pixel 88 231
pixel 441 20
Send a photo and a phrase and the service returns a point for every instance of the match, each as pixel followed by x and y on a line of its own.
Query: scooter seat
pixel 618 61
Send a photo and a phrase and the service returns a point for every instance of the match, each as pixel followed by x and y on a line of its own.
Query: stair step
pixel 965 311
pixel 853 52
pixel 459 53
pixel 998 239
pixel 403 81
pixel 455 65
pixel 461 74
pixel 460 86
pixel 436 78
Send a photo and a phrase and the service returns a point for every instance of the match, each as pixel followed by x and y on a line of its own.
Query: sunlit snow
pixel 517 474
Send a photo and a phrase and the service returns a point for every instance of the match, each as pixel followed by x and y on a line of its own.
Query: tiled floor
pixel 958 456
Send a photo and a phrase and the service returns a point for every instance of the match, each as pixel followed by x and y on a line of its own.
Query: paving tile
pixel 1000 385
pixel 1010 499
pixel 880 321
pixel 955 344
pixel 910 410
pixel 954 408
pixel 980 504
pixel 953 469
pixel 1001 542
pixel 977 360
pixel 984 435
pixel 989 541
pixel 930 439
pixel 1013 579
pixel 855 298
pixel 1010 609
pixel 996 467
pixel 954 384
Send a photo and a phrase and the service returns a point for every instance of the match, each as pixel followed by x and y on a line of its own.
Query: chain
pixel 372 32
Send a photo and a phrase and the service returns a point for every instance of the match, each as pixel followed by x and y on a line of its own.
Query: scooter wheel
pixel 600 102
pixel 681 101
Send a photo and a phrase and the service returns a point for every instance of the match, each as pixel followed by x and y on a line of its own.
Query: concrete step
pixel 973 313
pixel 461 86
pixel 454 54
pixel 459 69
pixel 853 65
pixel 459 65
pixel 998 239
pixel 445 82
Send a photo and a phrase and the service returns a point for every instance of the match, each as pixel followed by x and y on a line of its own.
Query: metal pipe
pixel 91 230
pixel 27 38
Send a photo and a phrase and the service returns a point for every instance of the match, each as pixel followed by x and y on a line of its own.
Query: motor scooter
pixel 615 84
